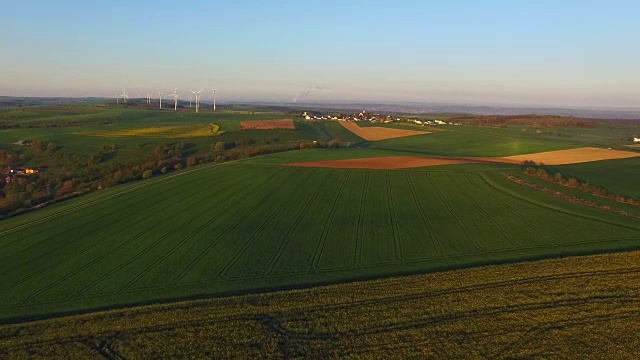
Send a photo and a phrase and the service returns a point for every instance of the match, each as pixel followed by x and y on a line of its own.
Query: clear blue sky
pixel 563 53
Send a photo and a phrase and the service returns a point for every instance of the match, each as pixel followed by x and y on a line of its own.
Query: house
pixel 636 139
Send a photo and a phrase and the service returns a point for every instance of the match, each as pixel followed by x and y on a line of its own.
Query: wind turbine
pixel 214 99
pixel 124 95
pixel 197 94
pixel 175 99
pixel 148 98
pixel 160 95
pixel 117 98
pixel 189 101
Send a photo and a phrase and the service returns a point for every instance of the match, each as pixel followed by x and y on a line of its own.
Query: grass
pixel 252 227
pixel 476 141
pixel 163 132
pixel 618 176
pixel 577 307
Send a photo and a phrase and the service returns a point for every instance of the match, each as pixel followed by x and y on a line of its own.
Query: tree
pixel 219 146
pixel 51 148
pixel 36 145
pixel 163 170
pixel 67 187
pixel 177 166
pixel 191 161
pixel 147 174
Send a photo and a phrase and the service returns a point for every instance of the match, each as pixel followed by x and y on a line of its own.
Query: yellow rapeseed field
pixel 170 132
pixel 580 307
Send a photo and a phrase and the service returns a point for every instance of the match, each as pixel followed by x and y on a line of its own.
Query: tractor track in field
pixel 232 227
pixel 479 208
pixel 105 255
pixel 81 293
pixel 513 194
pixel 435 293
pixel 183 241
pixel 425 219
pixel 254 236
pixel 91 246
pixel 315 260
pixel 393 216
pixel 357 260
pixel 78 237
pixel 454 215
pixel 107 197
pixel 82 268
pixel 143 184
pixel 292 230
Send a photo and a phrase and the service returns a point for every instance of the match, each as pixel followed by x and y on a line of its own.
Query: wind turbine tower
pixel 175 99
pixel 214 99
pixel 148 98
pixel 197 94
pixel 189 101
pixel 124 95
pixel 160 96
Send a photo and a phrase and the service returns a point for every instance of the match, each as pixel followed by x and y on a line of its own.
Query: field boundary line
pixel 552 207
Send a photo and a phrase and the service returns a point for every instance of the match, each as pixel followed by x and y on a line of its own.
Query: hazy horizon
pixel 575 54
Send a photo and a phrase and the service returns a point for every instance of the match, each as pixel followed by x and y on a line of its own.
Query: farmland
pixel 233 228
pixel 379 133
pixel 267 125
pixel 349 211
pixel 163 132
pixel 577 307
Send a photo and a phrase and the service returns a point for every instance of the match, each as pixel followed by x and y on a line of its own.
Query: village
pixel 374 118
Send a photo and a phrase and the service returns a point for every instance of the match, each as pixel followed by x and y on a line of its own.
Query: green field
pixel 246 227
pixel 576 307
pixel 254 225
pixel 78 129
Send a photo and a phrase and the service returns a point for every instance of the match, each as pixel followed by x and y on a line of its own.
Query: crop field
pixel 286 124
pixel 248 227
pixel 165 132
pixel 574 156
pixel 576 307
pixel 471 141
pixel 379 133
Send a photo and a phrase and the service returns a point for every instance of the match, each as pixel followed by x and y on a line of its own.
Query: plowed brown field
pixel 388 163
pixel 560 157
pixel 286 124
pixel 378 133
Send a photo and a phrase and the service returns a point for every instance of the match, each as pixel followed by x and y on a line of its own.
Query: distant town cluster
pixel 377 118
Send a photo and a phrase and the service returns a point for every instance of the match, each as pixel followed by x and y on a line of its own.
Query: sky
pixel 491 52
